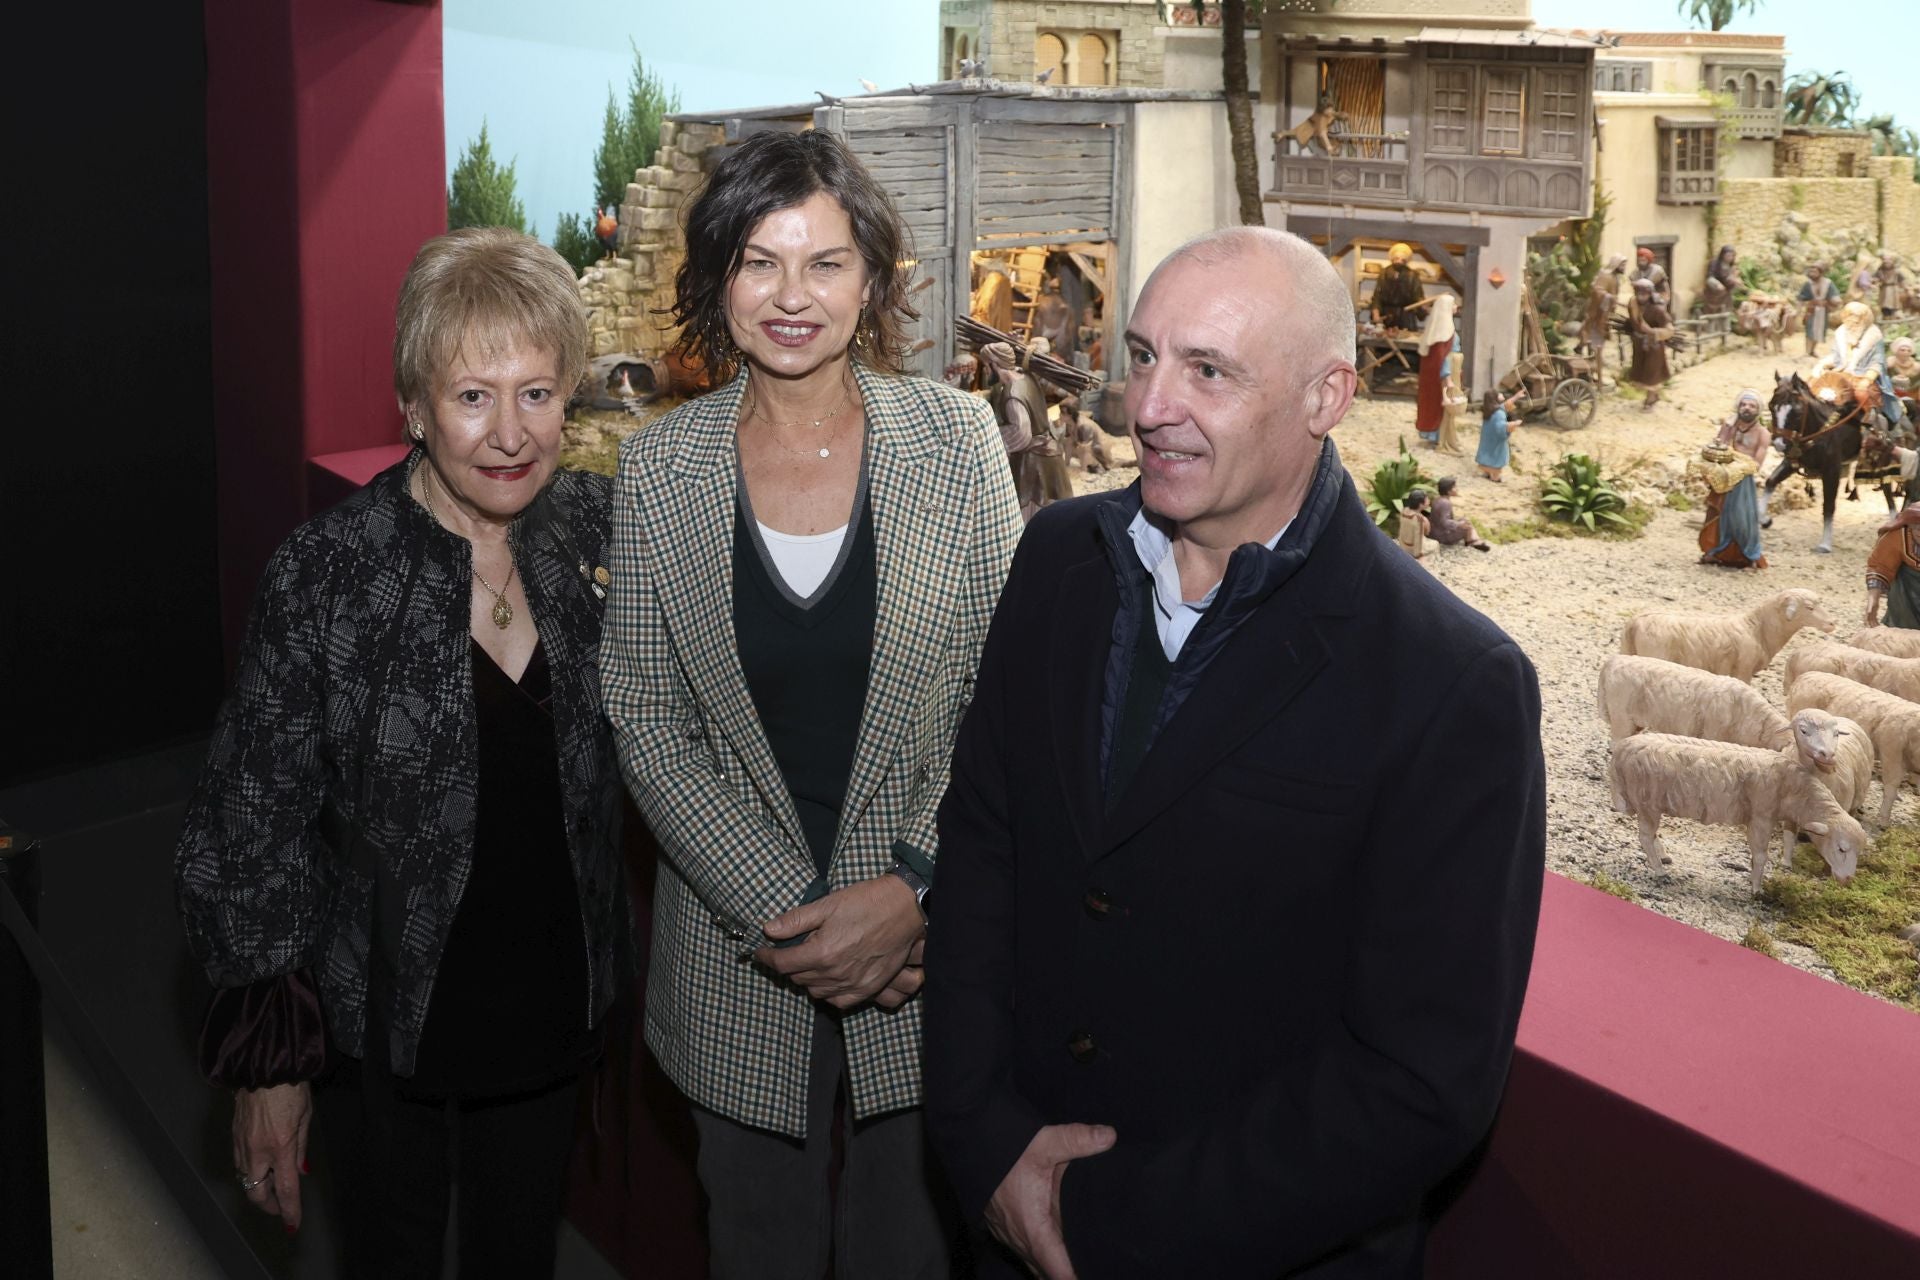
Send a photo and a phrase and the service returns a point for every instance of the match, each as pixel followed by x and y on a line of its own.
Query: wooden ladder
pixel 1028 268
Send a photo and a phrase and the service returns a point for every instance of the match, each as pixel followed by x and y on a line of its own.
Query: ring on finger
pixel 248 1184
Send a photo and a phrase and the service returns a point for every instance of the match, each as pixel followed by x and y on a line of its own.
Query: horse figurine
pixel 1820 438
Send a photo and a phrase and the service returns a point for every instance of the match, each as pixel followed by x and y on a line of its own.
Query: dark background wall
pixel 109 611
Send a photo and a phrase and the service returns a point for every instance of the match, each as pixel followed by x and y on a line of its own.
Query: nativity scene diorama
pixel 1632 309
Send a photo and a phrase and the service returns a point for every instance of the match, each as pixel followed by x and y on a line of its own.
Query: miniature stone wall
pixel 1785 223
pixel 1899 203
pixel 1008 29
pixel 1751 209
pixel 626 296
pixel 1821 153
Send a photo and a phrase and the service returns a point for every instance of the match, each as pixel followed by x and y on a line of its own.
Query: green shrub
pixel 1755 277
pixel 1577 492
pixel 1392 481
pixel 573 239
pixel 481 193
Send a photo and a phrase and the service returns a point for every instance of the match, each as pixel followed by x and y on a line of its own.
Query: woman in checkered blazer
pixel 804 563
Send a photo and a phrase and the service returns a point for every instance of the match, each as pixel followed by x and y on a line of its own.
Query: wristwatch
pixel 912 879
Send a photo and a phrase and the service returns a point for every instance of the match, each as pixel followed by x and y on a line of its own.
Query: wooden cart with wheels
pixel 1565 388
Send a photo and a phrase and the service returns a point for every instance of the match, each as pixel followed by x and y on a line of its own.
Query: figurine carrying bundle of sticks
pixel 1651 331
pixel 1039 445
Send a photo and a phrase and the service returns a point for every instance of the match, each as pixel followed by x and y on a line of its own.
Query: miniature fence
pixel 1706 336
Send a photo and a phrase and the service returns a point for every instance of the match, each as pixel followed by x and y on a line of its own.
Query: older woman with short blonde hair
pixel 400 868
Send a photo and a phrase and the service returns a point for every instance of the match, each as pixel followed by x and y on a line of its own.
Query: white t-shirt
pixel 803 559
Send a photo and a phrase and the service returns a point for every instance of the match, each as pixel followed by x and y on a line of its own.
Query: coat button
pixel 1098 903
pixel 1082 1046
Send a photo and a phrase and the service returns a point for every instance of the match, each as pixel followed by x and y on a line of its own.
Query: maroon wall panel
pixel 326 169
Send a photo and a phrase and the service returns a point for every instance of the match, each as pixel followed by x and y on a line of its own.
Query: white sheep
pixel 1653 694
pixel 1728 644
pixel 1900 642
pixel 1897 676
pixel 1656 775
pixel 1837 751
pixel 1892 723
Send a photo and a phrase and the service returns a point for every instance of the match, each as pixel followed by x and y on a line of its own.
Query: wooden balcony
pixel 1376 170
pixel 1689 186
pixel 1366 168
pixel 1754 122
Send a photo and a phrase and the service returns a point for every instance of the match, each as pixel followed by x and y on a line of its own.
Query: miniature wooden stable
pixel 991 169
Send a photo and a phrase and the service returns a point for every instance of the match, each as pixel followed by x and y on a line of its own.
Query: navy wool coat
pixel 1287 965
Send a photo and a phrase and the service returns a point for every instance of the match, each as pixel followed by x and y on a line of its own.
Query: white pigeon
pixel 869 85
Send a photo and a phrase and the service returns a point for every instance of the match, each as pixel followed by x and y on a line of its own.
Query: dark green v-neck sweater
pixel 806 664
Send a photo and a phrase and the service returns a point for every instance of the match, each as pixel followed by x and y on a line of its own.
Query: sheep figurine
pixel 1653 694
pixel 1837 751
pixel 1657 775
pixel 1729 644
pixel 1892 723
pixel 1897 642
pixel 1897 676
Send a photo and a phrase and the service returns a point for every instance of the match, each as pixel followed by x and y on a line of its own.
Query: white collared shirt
pixel 1173 617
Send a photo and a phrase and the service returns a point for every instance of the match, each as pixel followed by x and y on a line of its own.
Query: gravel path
pixel 1564 600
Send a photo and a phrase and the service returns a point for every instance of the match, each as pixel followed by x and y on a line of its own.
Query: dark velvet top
pixel 806 665
pixel 509 1005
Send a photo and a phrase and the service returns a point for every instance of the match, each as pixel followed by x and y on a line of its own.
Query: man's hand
pixel 862 937
pixel 1025 1210
pixel 270 1147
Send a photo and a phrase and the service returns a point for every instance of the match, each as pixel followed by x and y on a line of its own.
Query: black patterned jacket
pixel 262 890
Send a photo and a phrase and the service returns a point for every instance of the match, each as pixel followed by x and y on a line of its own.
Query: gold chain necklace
pixel 825 450
pixel 502 607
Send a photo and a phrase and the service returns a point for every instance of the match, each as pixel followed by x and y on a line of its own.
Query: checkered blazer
pixel 698 764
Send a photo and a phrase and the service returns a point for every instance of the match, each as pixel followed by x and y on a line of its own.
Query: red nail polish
pixel 305 1167
pixel 290 1227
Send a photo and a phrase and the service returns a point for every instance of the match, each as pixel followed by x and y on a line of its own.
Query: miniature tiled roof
pixel 1540 37
pixel 1681 39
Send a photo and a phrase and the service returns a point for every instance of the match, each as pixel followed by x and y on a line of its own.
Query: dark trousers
pixel 774 1211
pixel 397 1162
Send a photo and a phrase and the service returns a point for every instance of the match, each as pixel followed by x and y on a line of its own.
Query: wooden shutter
pixel 1043 183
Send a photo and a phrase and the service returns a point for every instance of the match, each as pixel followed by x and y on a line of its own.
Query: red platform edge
pixel 331 477
pixel 1678 1102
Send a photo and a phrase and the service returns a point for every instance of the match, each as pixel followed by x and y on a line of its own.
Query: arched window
pixel 1091 67
pixel 1750 90
pixel 1731 88
pixel 1050 54
pixel 1769 93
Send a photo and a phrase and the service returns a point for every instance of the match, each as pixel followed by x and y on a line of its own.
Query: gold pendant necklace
pixel 823 451
pixel 502 607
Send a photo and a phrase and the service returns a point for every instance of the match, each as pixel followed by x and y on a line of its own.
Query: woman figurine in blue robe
pixel 1731 533
pixel 1495 426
